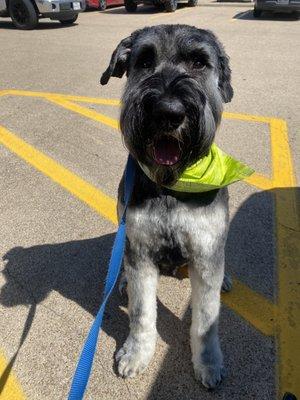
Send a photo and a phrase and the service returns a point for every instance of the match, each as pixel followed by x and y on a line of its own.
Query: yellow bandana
pixel 213 171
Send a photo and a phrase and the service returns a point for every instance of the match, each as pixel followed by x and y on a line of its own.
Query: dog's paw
pixel 133 358
pixel 210 375
pixel 227 283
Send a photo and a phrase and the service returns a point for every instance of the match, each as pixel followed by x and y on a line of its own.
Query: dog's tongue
pixel 166 151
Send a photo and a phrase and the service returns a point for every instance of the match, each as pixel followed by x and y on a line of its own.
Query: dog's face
pixel 178 78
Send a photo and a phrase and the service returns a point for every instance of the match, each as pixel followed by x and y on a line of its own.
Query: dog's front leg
pixel 139 347
pixel 206 352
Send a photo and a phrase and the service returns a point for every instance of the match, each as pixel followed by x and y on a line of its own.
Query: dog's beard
pixel 168 152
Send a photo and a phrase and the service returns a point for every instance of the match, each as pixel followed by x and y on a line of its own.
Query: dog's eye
pixel 146 59
pixel 147 63
pixel 199 63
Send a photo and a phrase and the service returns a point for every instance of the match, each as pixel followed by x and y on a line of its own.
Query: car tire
pixel 192 3
pixel 159 5
pixel 102 5
pixel 130 6
pixel 23 14
pixel 257 13
pixel 171 5
pixel 69 21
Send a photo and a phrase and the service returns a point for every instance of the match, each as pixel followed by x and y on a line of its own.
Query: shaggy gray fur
pixel 178 78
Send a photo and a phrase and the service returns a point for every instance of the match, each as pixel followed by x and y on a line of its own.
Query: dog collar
pixel 214 171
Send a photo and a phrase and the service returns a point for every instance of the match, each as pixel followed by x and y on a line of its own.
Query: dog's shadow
pixel 77 271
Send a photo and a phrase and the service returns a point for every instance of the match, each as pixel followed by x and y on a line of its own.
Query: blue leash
pixel 85 362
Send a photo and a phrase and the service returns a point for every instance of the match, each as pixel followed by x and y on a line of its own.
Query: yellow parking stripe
pixel 260 181
pixel 247 117
pixel 84 99
pixel 281 154
pixel 246 303
pixel 11 390
pixel 288 256
pixel 4 92
pixel 96 116
pixel 87 193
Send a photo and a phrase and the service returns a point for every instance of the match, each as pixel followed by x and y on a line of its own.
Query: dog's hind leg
pixel 139 347
pixel 206 352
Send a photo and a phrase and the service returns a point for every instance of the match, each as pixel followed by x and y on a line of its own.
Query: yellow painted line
pixel 260 181
pixel 84 99
pixel 86 192
pixel 91 114
pixel 247 117
pixel 252 306
pixel 93 100
pixel 11 390
pixel 282 161
pixel 288 256
pixel 4 92
pixel 287 211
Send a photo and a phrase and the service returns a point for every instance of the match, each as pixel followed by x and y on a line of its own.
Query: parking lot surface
pixel 61 158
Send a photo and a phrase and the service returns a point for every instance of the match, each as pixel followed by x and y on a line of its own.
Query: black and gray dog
pixel 178 79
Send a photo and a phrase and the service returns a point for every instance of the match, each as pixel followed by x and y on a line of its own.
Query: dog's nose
pixel 169 111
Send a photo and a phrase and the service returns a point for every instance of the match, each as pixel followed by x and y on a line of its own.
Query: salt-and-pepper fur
pixel 167 229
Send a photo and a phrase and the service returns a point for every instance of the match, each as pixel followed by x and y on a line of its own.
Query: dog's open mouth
pixel 166 150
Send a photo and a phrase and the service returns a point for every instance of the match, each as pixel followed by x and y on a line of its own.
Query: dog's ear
pixel 224 71
pixel 224 76
pixel 118 62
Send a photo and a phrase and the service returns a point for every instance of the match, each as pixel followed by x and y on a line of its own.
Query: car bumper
pixel 272 5
pixel 53 8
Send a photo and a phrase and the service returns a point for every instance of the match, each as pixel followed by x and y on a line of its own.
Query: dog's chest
pixel 167 230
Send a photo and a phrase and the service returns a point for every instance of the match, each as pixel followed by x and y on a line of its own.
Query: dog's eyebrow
pixel 143 48
pixel 192 45
pixel 190 48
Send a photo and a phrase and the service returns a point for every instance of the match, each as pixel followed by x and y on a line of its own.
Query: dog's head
pixel 178 78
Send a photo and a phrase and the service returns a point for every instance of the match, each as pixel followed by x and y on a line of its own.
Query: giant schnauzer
pixel 178 77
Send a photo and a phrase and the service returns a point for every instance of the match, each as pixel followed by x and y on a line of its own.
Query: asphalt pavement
pixel 61 158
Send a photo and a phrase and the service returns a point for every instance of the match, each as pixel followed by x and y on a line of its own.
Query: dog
pixel 178 78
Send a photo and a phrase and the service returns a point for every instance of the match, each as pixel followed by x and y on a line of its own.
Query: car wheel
pixel 171 5
pixel 130 6
pixel 23 14
pixel 192 3
pixel 159 5
pixel 69 21
pixel 257 13
pixel 102 5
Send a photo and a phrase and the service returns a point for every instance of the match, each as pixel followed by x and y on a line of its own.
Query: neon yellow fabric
pixel 213 171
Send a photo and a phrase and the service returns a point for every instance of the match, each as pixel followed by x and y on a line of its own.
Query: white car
pixel 25 14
